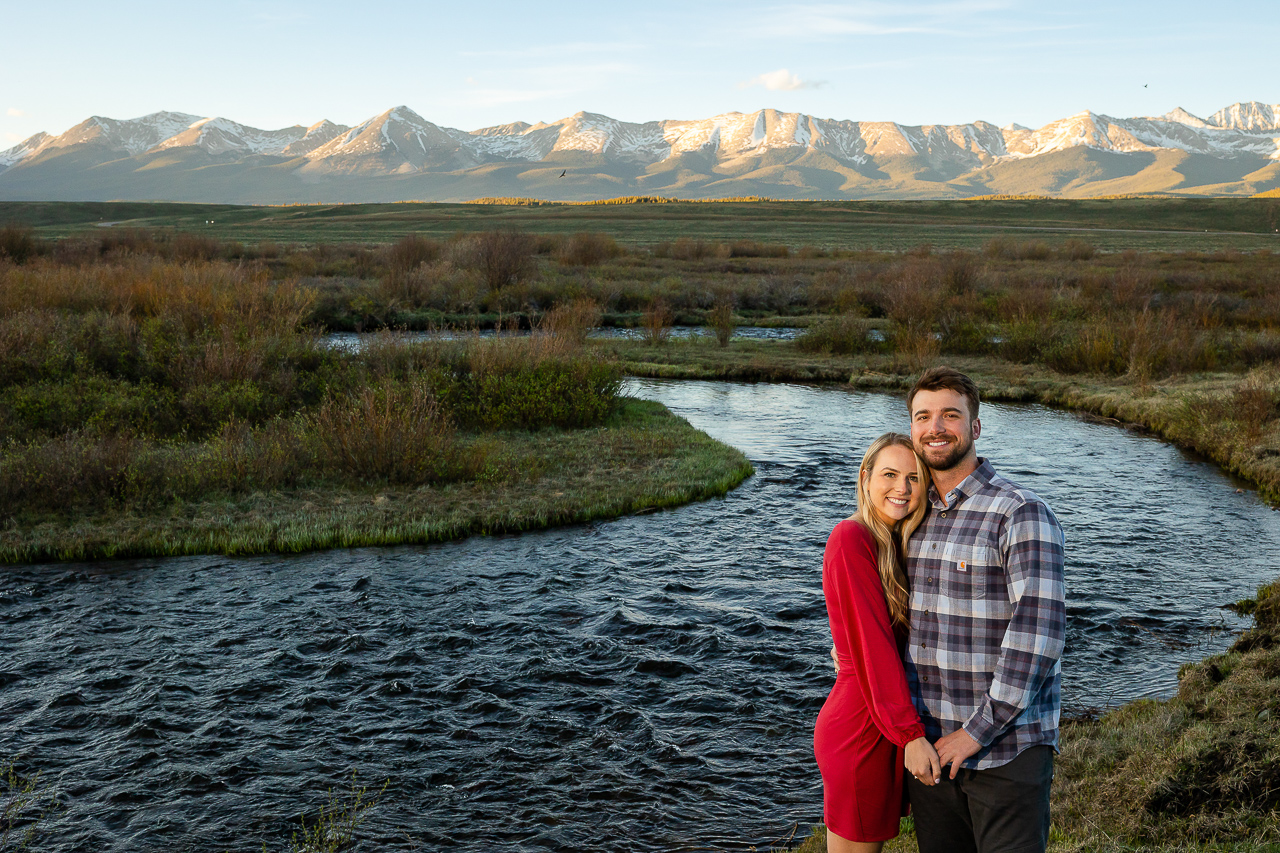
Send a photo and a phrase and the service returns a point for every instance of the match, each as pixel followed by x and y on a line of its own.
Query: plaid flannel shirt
pixel 988 617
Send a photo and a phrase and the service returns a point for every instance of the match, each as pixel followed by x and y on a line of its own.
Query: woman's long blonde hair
pixel 891 542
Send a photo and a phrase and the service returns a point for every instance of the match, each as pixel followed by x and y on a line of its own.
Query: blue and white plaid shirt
pixel 988 617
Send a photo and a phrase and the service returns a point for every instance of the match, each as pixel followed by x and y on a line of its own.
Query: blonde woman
pixel 869 726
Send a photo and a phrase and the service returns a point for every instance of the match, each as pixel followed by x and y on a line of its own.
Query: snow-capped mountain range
pixel 399 153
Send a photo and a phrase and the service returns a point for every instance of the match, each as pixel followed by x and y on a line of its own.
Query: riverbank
pixel 641 459
pixel 1197 772
pixel 1231 418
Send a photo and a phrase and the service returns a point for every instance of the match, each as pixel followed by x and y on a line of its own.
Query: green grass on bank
pixel 643 458
pixel 1154 224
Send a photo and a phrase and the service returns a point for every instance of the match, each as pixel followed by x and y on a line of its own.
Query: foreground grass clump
pixel 1199 771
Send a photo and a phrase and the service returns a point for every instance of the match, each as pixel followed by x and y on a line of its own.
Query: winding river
pixel 647 683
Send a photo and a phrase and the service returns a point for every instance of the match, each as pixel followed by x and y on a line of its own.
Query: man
pixel 987 627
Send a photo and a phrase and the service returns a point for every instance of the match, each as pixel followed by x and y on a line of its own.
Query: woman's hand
pixel 921 760
pixel 835 660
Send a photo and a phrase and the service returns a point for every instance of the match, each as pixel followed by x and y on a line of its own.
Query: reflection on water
pixel 642 683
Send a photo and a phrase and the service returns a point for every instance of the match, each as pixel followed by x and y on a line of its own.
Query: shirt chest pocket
pixel 971 571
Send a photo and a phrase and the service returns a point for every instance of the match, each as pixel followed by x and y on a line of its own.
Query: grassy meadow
pixel 166 387
pixel 1143 224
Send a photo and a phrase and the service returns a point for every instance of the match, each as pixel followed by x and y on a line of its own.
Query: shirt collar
pixel 980 477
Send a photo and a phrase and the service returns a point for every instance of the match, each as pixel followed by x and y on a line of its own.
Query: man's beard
pixel 956 452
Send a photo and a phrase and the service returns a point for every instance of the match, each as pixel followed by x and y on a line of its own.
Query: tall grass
pixel 721 319
pixel 141 382
pixel 656 323
pixel 1142 315
pixel 392 434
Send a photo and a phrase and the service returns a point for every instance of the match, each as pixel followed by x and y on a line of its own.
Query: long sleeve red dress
pixel 869 717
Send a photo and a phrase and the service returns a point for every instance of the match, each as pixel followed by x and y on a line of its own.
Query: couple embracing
pixel 946 601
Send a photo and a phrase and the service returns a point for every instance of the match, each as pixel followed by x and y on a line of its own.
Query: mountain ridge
pixel 400 155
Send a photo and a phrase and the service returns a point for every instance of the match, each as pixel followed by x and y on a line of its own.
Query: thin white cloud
pixel 12 137
pixel 14 112
pixel 781 80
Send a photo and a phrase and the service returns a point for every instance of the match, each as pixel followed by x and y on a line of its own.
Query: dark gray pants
pixel 1002 809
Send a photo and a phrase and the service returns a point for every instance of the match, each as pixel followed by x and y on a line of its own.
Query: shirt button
pixel 922 645
pixel 930 580
pixel 944 515
pixel 925 679
pixel 935 546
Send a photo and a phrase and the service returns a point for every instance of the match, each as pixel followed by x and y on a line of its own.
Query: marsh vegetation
pixel 156 400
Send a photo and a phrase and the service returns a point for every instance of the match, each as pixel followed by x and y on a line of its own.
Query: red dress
pixel 869 716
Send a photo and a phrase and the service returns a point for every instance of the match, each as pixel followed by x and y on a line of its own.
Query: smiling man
pixel 987 625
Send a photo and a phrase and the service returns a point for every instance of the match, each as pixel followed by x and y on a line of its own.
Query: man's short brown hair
pixel 938 378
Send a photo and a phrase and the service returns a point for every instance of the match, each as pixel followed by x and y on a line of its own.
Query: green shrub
pixel 585 249
pixel 756 249
pixel 1076 250
pixel 501 257
pixel 572 392
pixel 410 252
pixel 572 321
pixel 395 433
pixel 721 320
pixel 97 403
pixel 1094 348
pixel 843 335
pixel 72 470
pixel 18 244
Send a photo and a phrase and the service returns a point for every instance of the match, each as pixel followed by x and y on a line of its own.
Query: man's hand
pixel 955 748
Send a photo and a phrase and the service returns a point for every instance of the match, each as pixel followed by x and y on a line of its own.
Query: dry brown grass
pixel 656 323
pixel 214 293
pixel 722 321
pixel 573 321
pixel 588 250
pixel 394 434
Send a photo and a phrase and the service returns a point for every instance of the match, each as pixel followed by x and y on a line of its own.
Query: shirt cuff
pixel 981 727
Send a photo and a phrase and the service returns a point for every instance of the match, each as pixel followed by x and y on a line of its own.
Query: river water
pixel 648 683
pixel 356 340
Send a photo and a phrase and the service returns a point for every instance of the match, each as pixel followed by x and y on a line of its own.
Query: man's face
pixel 941 428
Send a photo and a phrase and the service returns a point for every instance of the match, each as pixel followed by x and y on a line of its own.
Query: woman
pixel 869 726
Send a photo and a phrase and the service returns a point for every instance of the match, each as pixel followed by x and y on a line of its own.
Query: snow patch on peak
pixel 1181 116
pixel 1250 117
pixel 24 149
pixel 222 136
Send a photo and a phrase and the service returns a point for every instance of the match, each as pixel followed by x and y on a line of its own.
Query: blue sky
pixel 274 63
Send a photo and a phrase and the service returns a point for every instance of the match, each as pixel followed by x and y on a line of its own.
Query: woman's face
pixel 893 484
